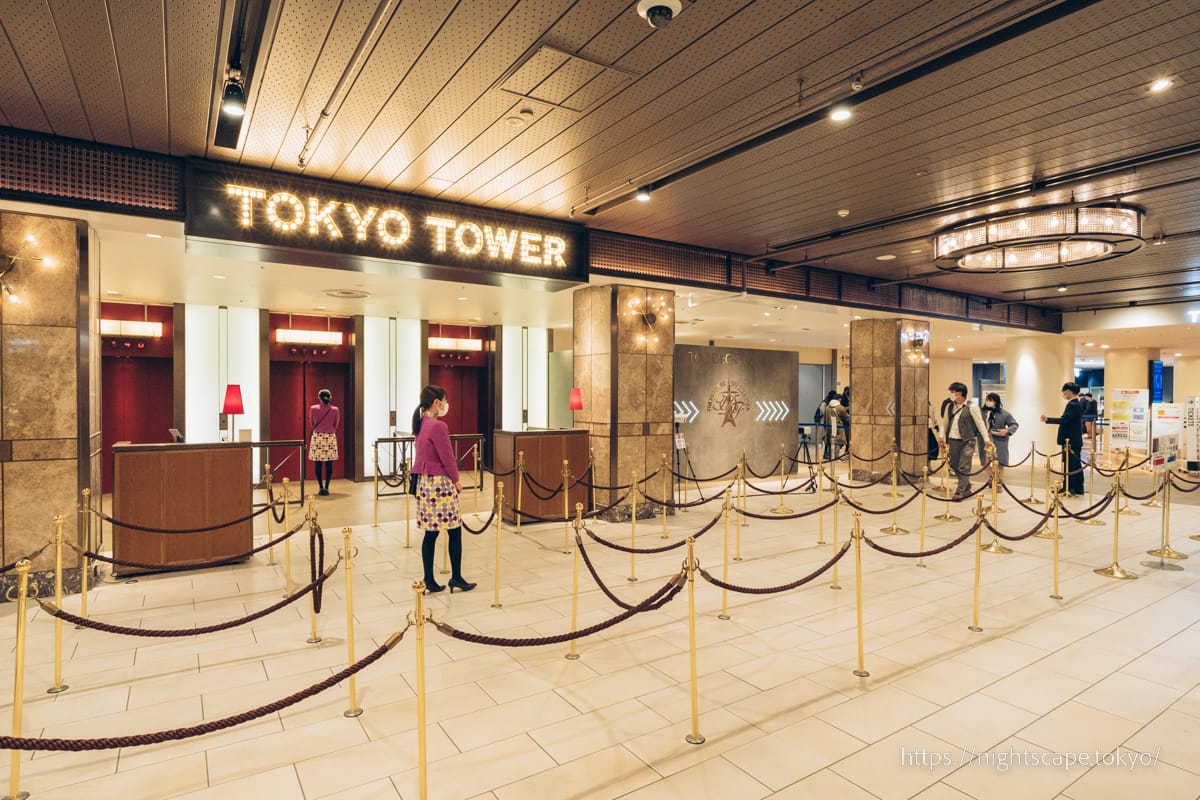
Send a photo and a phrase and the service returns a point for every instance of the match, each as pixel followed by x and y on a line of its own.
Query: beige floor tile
pixel 336 768
pixel 466 775
pixel 168 779
pixel 597 730
pixel 609 773
pixel 241 759
pixel 1189 703
pixel 946 681
pixel 1173 737
pixel 1137 775
pixel 976 722
pixel 532 680
pixel 382 789
pixel 1036 688
pixel 399 716
pixel 823 785
pixel 714 691
pixel 488 725
pixel 901 765
pixel 712 778
pixel 792 753
pixel 1074 727
pixel 940 791
pixel 135 757
pixel 874 715
pixel 280 783
pixel 786 704
pixel 604 690
pixel 1015 768
pixel 1001 655
pixel 1130 697
pixel 667 751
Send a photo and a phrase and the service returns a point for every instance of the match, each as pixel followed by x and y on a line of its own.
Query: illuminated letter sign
pixel 298 220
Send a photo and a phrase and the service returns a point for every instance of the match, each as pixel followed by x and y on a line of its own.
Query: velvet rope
pixel 140 565
pixel 205 529
pixel 924 553
pixel 482 527
pixel 774 469
pixel 1037 527
pixel 661 549
pixel 30 557
pixel 782 587
pixel 1093 510
pixel 796 515
pixel 891 510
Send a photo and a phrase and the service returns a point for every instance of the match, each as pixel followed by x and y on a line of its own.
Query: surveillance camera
pixel 658 13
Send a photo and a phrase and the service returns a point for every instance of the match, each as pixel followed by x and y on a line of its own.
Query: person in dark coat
pixel 1070 437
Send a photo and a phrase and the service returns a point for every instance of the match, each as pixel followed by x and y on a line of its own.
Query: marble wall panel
pixel 660 387
pixel 886 336
pixel 34 492
pixel 631 376
pixel 39 382
pixel 44 449
pixel 883 390
pixel 48 288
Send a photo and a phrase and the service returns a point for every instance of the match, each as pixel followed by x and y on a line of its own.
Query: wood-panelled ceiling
pixel 563 108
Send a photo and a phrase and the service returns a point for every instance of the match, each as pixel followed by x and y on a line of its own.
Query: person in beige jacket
pixel 961 424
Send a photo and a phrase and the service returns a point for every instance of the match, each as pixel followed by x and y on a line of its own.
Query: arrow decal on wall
pixel 771 410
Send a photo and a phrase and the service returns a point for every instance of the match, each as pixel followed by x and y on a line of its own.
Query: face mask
pixel 445 408
pixel 990 404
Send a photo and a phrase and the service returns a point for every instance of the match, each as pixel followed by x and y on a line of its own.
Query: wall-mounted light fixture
pixel 453 343
pixel 22 254
pixel 131 329
pixel 294 336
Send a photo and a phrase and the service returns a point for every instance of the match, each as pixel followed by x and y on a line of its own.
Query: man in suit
pixel 961 424
pixel 1070 437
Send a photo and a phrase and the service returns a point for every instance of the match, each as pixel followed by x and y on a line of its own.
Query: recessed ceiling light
pixel 771 340
pixel 766 313
pixel 218 277
pixel 1060 288
pixel 464 298
pixel 1177 355
pixel 885 257
pixel 845 324
pixel 1088 344
pixel 915 252
pixel 858 316
pixel 318 308
pixel 154 235
pixel 112 293
pixel 839 114
pixel 753 324
pixel 643 194
pixel 843 212
pixel 1103 347
pixel 949 349
pixel 1160 85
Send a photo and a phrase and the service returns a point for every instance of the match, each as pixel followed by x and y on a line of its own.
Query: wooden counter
pixel 171 486
pixel 544 454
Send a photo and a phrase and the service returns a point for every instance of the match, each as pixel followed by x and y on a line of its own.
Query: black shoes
pixel 432 587
pixel 461 584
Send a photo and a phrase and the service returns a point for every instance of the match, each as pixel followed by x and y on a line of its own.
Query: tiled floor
pixel 1024 709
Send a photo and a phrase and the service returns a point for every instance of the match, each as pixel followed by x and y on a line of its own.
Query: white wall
pixel 1038 366
pixel 221 347
pixel 391 382
pixel 525 374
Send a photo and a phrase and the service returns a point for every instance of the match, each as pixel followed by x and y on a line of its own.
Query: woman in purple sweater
pixel 323 419
pixel 438 487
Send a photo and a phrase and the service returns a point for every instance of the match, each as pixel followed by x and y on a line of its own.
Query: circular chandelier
pixel 1041 238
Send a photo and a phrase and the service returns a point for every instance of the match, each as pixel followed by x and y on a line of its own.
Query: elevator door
pixel 294 387
pixel 464 387
pixel 139 404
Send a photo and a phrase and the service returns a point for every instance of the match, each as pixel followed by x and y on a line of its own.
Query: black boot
pixel 428 550
pixel 457 581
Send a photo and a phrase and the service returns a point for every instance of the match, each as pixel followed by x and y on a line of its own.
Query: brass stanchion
pixel 666 491
pixel 994 507
pixel 725 561
pixel 1154 501
pixel 974 626
pixel 946 516
pixel 314 638
pixel 737 539
pixel 419 624
pixel 1125 509
pixel 694 737
pixel 520 480
pixel 1114 570
pixel 837 491
pixel 375 461
pixel 1091 496
pixel 633 506
pixel 58 686
pixel 407 508
pixel 478 476
pixel 781 508
pixel 287 550
pixel 1055 500
pixel 1032 499
pixel 84 568
pixel 994 545
pixel 820 499
pixel 268 476
pixel 353 709
pixel 566 474
pixel 1165 551
pixel 858 580
pixel 924 497
pixel 1043 531
pixel 14 774
pixel 499 535
pixel 572 655
pixel 894 528
pixel 592 477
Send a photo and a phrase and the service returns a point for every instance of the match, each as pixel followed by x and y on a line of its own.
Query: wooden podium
pixel 171 486
pixel 544 454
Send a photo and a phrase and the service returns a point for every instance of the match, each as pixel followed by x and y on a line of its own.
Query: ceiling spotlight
pixel 643 194
pixel 233 99
pixel 885 257
pixel 843 212
pixel 840 113
pixel 658 13
pixel 1160 85
pixel 1060 288
pixel 856 83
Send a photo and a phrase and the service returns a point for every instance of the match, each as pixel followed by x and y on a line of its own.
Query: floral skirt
pixel 323 447
pixel 437 503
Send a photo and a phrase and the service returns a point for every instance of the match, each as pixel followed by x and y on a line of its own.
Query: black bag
pixel 819 415
pixel 412 483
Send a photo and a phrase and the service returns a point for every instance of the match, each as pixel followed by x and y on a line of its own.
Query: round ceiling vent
pixel 347 294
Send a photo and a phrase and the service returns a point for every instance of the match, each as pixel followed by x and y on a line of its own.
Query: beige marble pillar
pixel 889 395
pixel 624 346
pixel 49 388
pixel 1187 377
pixel 1128 368
pixel 1037 367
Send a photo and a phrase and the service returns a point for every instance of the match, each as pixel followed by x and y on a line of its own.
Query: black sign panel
pixel 271 216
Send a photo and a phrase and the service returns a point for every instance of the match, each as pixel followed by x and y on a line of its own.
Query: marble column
pixel 624 349
pixel 1187 377
pixel 889 395
pixel 1128 368
pixel 49 389
pixel 1037 367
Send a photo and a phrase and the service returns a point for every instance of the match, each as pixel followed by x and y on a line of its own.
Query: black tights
pixel 323 482
pixel 429 550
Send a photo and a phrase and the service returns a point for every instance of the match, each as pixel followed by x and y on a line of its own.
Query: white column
pixel 1038 366
pixel 525 372
pixel 1128 368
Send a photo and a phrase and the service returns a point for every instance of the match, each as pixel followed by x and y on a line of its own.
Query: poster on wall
pixel 1129 418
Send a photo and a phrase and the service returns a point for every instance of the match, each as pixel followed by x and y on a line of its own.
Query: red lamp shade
pixel 576 403
pixel 233 400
